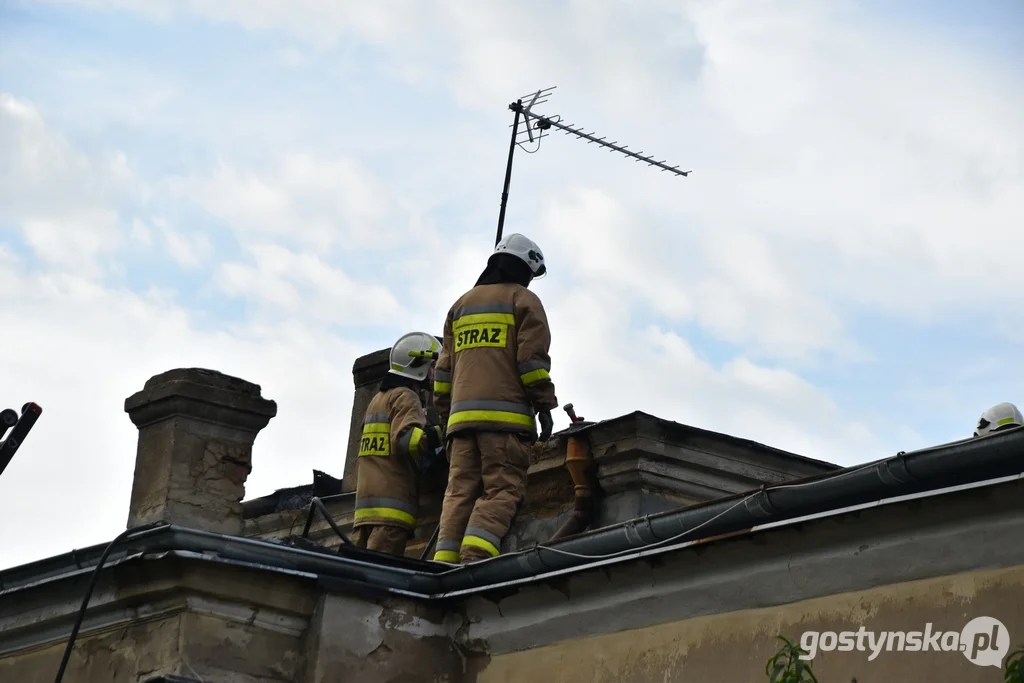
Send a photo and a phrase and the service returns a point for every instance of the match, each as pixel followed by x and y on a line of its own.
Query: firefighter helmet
pixel 526 250
pixel 997 418
pixel 413 355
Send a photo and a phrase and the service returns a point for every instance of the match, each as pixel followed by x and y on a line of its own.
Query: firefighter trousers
pixel 382 538
pixel 486 485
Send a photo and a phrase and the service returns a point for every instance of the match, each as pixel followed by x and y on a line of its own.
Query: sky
pixel 272 189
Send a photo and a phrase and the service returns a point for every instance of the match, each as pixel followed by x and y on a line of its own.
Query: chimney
pixel 196 430
pixel 367 373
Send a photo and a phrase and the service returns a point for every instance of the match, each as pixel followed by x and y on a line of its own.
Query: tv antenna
pixel 539 129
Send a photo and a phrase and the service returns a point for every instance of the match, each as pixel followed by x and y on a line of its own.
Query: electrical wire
pixel 88 593
pixel 689 531
pixel 556 118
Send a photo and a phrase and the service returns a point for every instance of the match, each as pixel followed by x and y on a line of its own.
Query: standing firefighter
pixel 395 441
pixel 490 381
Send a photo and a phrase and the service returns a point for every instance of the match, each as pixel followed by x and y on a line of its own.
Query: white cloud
pixel 885 156
pixel 738 289
pixel 598 239
pixel 303 286
pixel 62 200
pixel 141 233
pixel 292 56
pixel 188 249
pixel 81 349
pixel 322 23
pixel 612 368
pixel 319 202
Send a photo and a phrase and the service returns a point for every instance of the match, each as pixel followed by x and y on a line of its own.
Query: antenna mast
pixel 542 124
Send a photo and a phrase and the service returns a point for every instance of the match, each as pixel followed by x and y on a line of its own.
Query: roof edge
pixel 936 470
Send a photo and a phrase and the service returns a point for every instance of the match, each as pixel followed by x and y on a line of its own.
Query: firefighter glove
pixel 546 424
pixel 435 437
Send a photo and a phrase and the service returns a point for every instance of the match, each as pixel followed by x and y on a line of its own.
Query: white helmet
pixel 997 418
pixel 525 249
pixel 413 355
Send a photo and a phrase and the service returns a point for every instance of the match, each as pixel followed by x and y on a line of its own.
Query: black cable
pixel 88 594
pixel 430 543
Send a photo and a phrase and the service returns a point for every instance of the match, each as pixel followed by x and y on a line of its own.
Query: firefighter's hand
pixel 435 437
pixel 434 464
pixel 546 424
pixel 441 462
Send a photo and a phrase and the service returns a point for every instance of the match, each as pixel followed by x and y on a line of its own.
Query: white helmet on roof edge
pixel 997 418
pixel 526 250
pixel 413 355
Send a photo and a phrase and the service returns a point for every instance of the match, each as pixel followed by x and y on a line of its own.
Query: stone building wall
pixel 734 647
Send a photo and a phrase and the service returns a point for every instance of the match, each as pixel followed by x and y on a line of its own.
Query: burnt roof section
pixel 292 498
pixel 771 465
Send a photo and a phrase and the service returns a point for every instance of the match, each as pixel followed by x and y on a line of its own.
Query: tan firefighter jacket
pixel 392 443
pixel 493 369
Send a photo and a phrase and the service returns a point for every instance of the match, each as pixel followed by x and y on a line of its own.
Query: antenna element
pixel 539 129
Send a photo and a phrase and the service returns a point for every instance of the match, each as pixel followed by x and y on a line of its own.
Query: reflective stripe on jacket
pixel 493 372
pixel 391 444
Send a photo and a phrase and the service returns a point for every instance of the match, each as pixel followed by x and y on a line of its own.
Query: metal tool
pixel 19 428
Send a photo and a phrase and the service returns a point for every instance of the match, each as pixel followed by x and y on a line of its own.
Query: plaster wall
pixel 127 654
pixel 212 621
pixel 734 647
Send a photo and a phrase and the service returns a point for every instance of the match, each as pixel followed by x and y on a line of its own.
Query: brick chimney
pixel 196 431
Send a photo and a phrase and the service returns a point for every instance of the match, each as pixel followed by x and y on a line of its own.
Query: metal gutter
pixel 658 550
pixel 63 564
pixel 397 574
pixel 961 462
pixel 926 473
pixel 341 568
pixel 70 574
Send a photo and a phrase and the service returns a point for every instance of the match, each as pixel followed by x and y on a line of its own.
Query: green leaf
pixel 1012 672
pixel 785 666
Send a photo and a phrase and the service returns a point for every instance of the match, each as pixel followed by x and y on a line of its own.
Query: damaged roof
pixel 638 422
pixel 292 498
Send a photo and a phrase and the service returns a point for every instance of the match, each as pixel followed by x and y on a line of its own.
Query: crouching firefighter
pixel 396 443
pixel 492 378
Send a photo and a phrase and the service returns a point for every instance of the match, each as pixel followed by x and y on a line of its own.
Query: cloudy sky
pixel 271 189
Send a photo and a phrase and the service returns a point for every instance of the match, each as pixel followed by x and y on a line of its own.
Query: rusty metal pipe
pixel 580 462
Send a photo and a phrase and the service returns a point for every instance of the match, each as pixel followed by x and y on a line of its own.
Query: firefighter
pixel 998 418
pixel 396 441
pixel 491 386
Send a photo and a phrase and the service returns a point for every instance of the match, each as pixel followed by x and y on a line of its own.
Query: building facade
pixel 698 550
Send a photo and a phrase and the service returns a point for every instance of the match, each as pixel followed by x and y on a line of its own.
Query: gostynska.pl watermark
pixel 983 641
